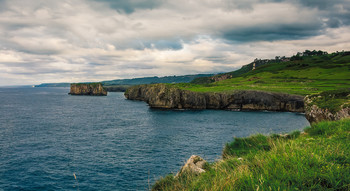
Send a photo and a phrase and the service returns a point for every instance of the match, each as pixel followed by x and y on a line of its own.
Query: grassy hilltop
pixel 301 75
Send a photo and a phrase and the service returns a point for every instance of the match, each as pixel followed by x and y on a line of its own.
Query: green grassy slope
pixel 310 74
pixel 318 159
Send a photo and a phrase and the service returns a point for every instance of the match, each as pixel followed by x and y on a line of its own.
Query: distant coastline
pixel 136 81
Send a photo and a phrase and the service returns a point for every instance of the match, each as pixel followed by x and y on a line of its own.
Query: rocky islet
pixel 91 89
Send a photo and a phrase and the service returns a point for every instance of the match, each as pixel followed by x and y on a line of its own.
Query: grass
pixel 312 74
pixel 318 159
pixel 333 100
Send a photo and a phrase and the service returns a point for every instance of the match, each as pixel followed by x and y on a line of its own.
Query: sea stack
pixel 92 89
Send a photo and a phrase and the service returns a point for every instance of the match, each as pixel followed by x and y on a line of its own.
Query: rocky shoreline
pixel 165 96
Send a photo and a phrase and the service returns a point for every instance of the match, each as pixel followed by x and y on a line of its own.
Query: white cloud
pixel 9 57
pixel 86 40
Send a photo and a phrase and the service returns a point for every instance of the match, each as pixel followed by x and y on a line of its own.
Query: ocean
pixel 50 140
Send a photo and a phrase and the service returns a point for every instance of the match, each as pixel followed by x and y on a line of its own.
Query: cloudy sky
pixel 93 40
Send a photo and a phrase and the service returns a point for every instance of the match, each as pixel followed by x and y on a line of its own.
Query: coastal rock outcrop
pixel 92 89
pixel 194 165
pixel 315 113
pixel 167 96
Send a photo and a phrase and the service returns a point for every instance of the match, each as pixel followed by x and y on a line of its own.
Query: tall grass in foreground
pixel 318 159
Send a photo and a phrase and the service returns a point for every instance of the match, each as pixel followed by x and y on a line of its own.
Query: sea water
pixel 50 140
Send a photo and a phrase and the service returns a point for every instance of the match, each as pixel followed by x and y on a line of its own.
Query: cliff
pixel 328 106
pixel 166 96
pixel 92 89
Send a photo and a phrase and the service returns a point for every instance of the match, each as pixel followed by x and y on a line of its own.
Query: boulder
pixel 194 165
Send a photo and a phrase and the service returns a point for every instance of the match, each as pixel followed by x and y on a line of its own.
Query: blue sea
pixel 50 140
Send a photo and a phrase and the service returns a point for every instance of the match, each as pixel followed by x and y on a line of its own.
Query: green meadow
pixel 308 75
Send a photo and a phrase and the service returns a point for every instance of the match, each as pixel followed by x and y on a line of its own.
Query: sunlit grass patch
pixel 317 159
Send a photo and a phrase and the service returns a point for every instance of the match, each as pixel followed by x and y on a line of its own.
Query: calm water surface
pixel 110 143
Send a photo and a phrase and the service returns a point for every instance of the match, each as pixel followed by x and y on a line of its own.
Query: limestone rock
pixel 195 164
pixel 165 96
pixel 93 89
pixel 314 114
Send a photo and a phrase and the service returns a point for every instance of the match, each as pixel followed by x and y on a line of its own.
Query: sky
pixel 46 41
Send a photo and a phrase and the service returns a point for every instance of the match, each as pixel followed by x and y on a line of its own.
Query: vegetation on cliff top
pixel 333 100
pixel 303 75
pixel 318 159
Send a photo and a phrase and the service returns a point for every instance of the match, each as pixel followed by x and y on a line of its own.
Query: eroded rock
pixel 315 114
pixel 195 164
pixel 165 96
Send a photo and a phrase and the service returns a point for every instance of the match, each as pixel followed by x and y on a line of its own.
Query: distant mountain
pixel 53 85
pixel 137 81
pixel 155 80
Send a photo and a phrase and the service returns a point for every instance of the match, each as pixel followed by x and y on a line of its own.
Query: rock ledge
pixel 168 97
pixel 194 165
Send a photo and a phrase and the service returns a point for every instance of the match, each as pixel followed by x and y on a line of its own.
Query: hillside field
pixel 308 75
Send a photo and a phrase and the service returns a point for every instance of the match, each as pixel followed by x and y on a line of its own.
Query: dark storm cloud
pixel 319 4
pixel 336 11
pixel 272 32
pixel 96 64
pixel 326 14
pixel 129 6
pixel 3 7
pixel 322 4
pixel 334 23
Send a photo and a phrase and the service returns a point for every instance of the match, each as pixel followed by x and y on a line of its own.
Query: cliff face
pixel 315 113
pixel 164 96
pixel 93 89
pixel 217 78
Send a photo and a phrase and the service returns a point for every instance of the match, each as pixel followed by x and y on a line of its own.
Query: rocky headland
pixel 91 89
pixel 166 96
pixel 328 106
